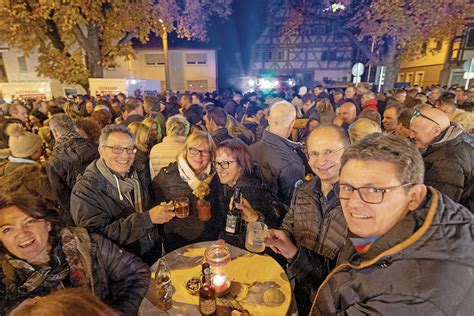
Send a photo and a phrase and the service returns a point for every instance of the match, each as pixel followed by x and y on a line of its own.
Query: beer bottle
pixel 233 222
pixel 207 294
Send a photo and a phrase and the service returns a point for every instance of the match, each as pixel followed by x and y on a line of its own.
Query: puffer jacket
pixel 449 165
pixel 66 163
pixel 282 167
pixel 422 266
pixel 180 232
pixel 319 238
pixel 96 205
pixel 107 265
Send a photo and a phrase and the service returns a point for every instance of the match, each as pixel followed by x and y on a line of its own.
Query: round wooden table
pixel 259 284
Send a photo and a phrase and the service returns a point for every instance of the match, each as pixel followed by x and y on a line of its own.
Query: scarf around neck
pixel 71 258
pixel 200 187
pixel 125 186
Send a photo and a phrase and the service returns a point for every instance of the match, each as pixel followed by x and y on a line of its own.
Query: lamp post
pixel 164 39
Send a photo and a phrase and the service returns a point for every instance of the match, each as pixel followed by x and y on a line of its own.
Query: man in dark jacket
pixel 231 106
pixel 110 198
pixel 309 107
pixel 215 120
pixel 410 249
pixel 448 156
pixel 133 110
pixel 314 229
pixel 192 112
pixel 278 157
pixel 70 157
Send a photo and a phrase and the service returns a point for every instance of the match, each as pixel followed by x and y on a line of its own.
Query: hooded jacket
pixel 422 266
pixel 449 165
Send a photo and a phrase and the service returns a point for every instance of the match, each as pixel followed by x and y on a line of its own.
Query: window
pixel 197 85
pixel 329 55
pixel 154 59
pixel 22 63
pixel 280 56
pixel 470 38
pixel 455 49
pixel 196 59
pixel 439 45
pixel 111 68
pixel 256 56
pixel 269 56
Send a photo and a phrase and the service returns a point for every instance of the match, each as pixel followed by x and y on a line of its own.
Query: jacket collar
pixel 279 141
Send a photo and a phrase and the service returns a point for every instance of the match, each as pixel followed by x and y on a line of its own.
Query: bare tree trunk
pixel 392 61
pixel 93 54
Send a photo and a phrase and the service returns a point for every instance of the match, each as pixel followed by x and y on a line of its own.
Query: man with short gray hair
pixel 110 198
pixel 69 158
pixel 409 250
pixel 280 158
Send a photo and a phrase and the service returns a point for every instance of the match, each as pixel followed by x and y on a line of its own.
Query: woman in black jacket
pixel 39 256
pixel 235 168
pixel 192 177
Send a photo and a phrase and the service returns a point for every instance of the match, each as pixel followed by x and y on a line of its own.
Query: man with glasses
pixel 110 198
pixel 314 228
pixel 447 153
pixel 410 249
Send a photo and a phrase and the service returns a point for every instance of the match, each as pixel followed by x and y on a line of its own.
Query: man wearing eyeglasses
pixel 314 229
pixel 110 198
pixel 410 249
pixel 448 156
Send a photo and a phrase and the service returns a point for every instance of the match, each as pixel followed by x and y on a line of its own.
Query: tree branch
pixel 128 36
pixel 81 38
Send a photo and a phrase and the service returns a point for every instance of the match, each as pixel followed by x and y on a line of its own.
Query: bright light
pixel 160 20
pixel 251 82
pixel 265 84
pixel 291 82
pixel 275 83
pixel 335 7
pixel 133 82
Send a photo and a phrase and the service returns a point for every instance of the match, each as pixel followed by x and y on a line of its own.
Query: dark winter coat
pixel 131 119
pixel 67 161
pixel 422 266
pixel 258 194
pixel 449 166
pixel 120 278
pixel 221 135
pixel 319 237
pixel 179 232
pixel 96 205
pixel 281 164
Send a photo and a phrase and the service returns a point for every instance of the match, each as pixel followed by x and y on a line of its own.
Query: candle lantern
pixel 218 257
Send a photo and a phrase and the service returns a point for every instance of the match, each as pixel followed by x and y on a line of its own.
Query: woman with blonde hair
pixel 188 177
pixel 361 128
pixel 141 138
pixel 238 130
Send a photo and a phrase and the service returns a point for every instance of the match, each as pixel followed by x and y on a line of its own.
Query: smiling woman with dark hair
pixel 39 256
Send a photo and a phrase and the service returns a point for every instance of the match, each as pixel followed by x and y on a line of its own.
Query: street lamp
pixel 164 39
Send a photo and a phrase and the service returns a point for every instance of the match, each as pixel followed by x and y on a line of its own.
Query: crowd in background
pixel 88 184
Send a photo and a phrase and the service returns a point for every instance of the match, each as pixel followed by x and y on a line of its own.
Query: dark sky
pixel 234 37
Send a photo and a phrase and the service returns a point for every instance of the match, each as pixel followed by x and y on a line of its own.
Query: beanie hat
pixel 303 90
pixel 22 144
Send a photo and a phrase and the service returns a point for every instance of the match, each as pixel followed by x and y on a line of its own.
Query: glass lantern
pixel 218 257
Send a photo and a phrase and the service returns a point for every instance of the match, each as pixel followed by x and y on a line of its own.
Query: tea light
pixel 221 283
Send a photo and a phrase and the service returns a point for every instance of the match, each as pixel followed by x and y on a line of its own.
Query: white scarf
pixel 200 187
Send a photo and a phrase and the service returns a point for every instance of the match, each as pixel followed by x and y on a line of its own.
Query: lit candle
pixel 220 282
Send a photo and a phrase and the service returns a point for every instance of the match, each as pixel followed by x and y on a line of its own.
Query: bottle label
pixel 207 306
pixel 231 224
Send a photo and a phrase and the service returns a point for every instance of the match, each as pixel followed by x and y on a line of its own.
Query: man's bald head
pixel 428 125
pixel 282 118
pixel 348 112
pixel 19 112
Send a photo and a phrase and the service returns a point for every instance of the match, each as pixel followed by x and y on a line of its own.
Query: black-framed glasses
pixel 195 152
pixel 369 195
pixel 325 153
pixel 418 113
pixel 223 164
pixel 119 149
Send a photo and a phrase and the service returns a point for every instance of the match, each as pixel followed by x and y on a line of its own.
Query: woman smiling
pixel 39 256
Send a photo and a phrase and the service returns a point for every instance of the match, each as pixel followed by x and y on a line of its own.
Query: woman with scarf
pixel 40 256
pixel 190 176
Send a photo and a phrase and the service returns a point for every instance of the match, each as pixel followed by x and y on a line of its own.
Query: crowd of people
pixel 88 186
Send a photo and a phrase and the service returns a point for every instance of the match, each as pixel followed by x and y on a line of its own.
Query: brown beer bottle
pixel 233 223
pixel 207 294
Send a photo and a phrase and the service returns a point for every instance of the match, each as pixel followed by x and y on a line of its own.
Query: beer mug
pixel 256 233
